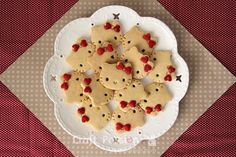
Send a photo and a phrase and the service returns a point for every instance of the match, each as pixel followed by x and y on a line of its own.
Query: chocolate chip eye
pixel 81 65
pixel 97 80
pixel 90 105
pixel 143 50
pixel 115 38
pixel 105 94
pixel 126 60
pixel 120 95
pixel 137 23
pixel 107 79
pixel 134 111
pixel 100 67
pixel 157 75
pixel 129 42
pixel 81 94
pixel 157 90
pixel 137 72
pixel 103 115
pixel 145 100
pixel 123 80
pixel 154 59
pixel 112 57
pixel 99 42
pixel 118 116
pixel 89 51
pixel 77 79
pixel 133 85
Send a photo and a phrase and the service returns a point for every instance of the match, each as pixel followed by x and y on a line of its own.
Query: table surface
pixel 212 23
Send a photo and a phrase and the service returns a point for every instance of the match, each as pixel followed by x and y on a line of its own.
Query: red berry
pixel 119 126
pixel 123 104
pixel 109 48
pixel 151 43
pixel 87 81
pixel 66 77
pixel 132 103
pixel 157 107
pixel 120 66
pixel 144 59
pixel 83 43
pixel 167 78
pixel 171 69
pixel 127 127
pixel 85 118
pixel 128 70
pixel 116 28
pixel 147 36
pixel 87 89
pixel 64 86
pixel 100 51
pixel 81 110
pixel 107 25
pixel 75 47
pixel 147 68
pixel 148 110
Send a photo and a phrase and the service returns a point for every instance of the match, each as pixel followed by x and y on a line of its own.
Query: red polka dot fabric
pixel 211 22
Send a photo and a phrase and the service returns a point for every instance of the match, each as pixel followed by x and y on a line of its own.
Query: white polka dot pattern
pixel 208 79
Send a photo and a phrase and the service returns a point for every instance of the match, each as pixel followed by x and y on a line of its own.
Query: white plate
pixel 106 138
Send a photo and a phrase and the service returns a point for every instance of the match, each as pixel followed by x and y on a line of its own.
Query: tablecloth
pixel 211 22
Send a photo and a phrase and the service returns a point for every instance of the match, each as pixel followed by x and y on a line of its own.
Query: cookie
pixel 130 95
pixel 116 76
pixel 142 40
pixel 96 116
pixel 140 63
pixel 157 98
pixel 164 70
pixel 98 94
pixel 72 89
pixel 109 31
pixel 81 50
pixel 127 121
pixel 105 53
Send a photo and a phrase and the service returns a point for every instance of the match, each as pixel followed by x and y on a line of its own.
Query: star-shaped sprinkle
pixel 53 78
pixel 115 140
pixel 178 78
pixel 116 16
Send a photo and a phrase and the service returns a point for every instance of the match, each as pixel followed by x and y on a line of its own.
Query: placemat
pixel 208 79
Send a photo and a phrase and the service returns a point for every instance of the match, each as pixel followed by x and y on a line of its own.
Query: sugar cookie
pixel 81 50
pixel 116 76
pixel 143 41
pixel 140 63
pixel 130 96
pixel 157 98
pixel 72 89
pixel 164 70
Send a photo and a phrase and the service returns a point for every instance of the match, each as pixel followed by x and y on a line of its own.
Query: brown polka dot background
pixel 208 79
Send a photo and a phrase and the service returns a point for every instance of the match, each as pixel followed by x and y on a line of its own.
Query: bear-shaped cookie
pixel 104 53
pixel 158 97
pixel 141 63
pixel 142 40
pixel 98 94
pixel 127 121
pixel 116 76
pixel 77 58
pixel 109 31
pixel 164 70
pixel 130 96
pixel 72 89
pixel 96 116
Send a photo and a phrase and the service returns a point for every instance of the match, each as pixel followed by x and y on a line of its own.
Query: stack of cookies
pixel 117 76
